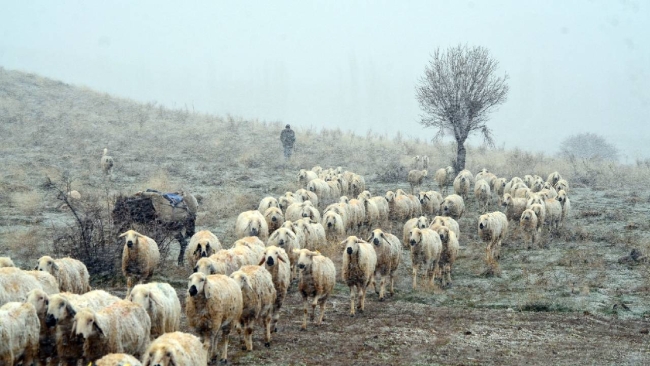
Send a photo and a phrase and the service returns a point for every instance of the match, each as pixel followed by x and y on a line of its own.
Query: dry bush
pixel 25 245
pixel 29 203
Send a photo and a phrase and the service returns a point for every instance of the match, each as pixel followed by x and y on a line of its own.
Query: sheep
pixel 61 311
pixel 300 210
pixel 382 208
pixel 259 296
pixel 48 283
pixel 227 261
pixel 548 191
pixel 529 223
pixel 562 184
pixel 357 213
pixel 447 222
pixel 286 239
pixel 301 236
pixel 317 169
pixel 276 261
pixel 313 232
pixel 425 161
pixel 514 206
pixel 448 254
pixel 305 176
pixel 321 189
pixel 317 278
pixel 483 174
pixel 274 218
pixel 122 327
pixel 202 244
pixel 492 228
pixel 426 248
pixel 358 268
pixel 344 211
pixel 389 252
pixel 498 186
pixel 19 330
pixel 140 257
pixel 335 187
pixel 511 183
pixel 107 163
pixel 251 223
pixel 566 205
pixel 416 162
pixel 453 206
pixel 399 206
pixel 415 178
pixel 482 194
pixel 357 185
pixel 287 200
pixel 443 178
pixel 537 185
pixel 540 212
pixel 176 348
pixel 421 222
pixel 371 217
pixel 6 262
pixel 71 274
pixel 553 212
pixel 213 303
pixel 161 303
pixel 334 227
pixel 117 359
pixel 15 284
pixel 553 178
pixel 47 336
pixel 306 195
pixel 430 202
pixel 266 203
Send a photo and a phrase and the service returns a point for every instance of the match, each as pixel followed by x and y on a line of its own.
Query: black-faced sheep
pixel 286 239
pixel 305 195
pixel 553 178
pixel 71 274
pixel 446 221
pixel 443 178
pixel 317 279
pixel 276 261
pixel 47 336
pixel 175 349
pixel 266 203
pixel 430 202
pixel 566 205
pixel 274 218
pixel 140 257
pixel 389 253
pixel 417 222
pixel 202 244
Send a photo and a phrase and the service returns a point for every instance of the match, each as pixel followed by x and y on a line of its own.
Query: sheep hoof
pixel 303 329
pixel 381 299
pixel 351 315
pixel 267 344
pixel 223 361
pixel 275 330
pixel 243 348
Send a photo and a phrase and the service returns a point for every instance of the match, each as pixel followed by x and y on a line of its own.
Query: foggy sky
pixel 574 66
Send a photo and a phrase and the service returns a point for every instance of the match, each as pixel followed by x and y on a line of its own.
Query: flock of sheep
pixel 51 314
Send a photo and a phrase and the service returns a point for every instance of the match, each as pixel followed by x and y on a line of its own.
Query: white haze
pixel 574 66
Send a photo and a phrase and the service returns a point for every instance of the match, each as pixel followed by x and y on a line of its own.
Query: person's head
pixel 287 127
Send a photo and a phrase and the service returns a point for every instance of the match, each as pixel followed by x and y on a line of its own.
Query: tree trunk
pixel 460 156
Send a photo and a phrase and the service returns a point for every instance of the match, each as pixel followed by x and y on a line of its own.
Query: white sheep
pixel 321 189
pixel 107 163
pixel 245 251
pixel 276 261
pixel 421 222
pixel 301 210
pixel 259 296
pixel 305 195
pixel 415 178
pixel 492 228
pixel 400 206
pixel 317 279
pixel 463 183
pixel 251 223
pixel 286 239
pixel 357 185
pixel 389 252
pixel 15 284
pixel 214 303
pixel 430 202
pixel 287 200
pixel 71 274
pixel 566 205
pixel 448 254
pixel 49 284
pixel 122 327
pixel 453 206
pixel 266 203
pixel 553 209
pixel 274 218
pixel 358 268
pixel 6 262
pixel 482 194
pixel 47 335
pixel 117 359
pixel 161 302
pixel 446 221
pixel 175 349
pixel 371 218
pixel 514 206
pixel 553 178
pixel 540 212
pixel 443 178
pixel 140 257
pixel 344 211
pixel 313 233
pixel 529 223
pixel 334 227
pixel 562 185
pixel 19 330
pixel 202 244
pixel 305 176
pixel 498 188
pixel 425 253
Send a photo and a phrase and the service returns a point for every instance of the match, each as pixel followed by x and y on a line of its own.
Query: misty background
pixel 574 66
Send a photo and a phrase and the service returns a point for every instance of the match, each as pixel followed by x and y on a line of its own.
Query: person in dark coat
pixel 288 138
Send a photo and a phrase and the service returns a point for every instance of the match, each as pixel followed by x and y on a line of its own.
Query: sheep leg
pixel 322 311
pixel 223 342
pixel 129 285
pixel 382 288
pixel 362 299
pixel 248 336
pixel 392 283
pixel 352 309
pixel 304 318
pixel 267 323
pixel 415 276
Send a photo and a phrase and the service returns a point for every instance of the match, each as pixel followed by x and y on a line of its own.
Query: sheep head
pixel 47 264
pixel 85 324
pixel 196 284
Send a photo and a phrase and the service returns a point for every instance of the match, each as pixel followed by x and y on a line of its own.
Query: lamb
pixel 358 268
pixel 389 252
pixel 117 359
pixel 448 254
pixel 447 222
pixel 453 206
pixel 305 176
pixel 107 163
pixel 176 348
pixel 443 178
pixel 161 303
pixel 482 194
pixel 61 311
pixel 514 206
pixel 415 178
pixel 122 327
pixel 276 261
pixel 553 178
pixel 553 213
pixel 266 203
pixel 492 228
pixel 251 223
pixel 202 244
pixel 426 248
pixel 71 274
pixel 259 296
pixel 286 239
pixel 566 205
pixel 417 222
pixel 49 284
pixel 213 303
pixel 529 223
pixel 19 329
pixel 274 218
pixel 140 257
pixel 47 335
pixel 430 202
pixel 305 195
pixel 317 278
pixel 6 262
pixel 15 284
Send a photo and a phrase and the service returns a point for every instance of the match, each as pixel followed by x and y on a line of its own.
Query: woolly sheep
pixel 286 239
pixel 511 183
pixel 305 176
pixel 382 208
pixel 417 222
pixel 300 210
pixel 317 276
pixel 251 223
pixel 358 268
pixel 6 262
pixel 399 206
pixel 117 359
pixel 321 189
pixel 514 206
pixel 425 253
pixel 274 218
pixel 71 274
pixel 357 185
pixel 317 169
pixel 287 200
pixel 463 183
pixel 562 184
pixel 335 188
pixel 371 217
pixel 448 254
pixel 417 162
pixel 276 261
pixel 492 228
pixel 443 178
pixel 202 244
pixel 259 296
pixel 343 210
pixel 313 232
pixel 305 195
pixel 107 163
pixel 482 194
pixel 47 335
pixel 430 202
pixel 553 212
pixel 176 349
pixel 225 261
pixel 415 178
pixel 301 236
pixel 140 257
pixel 15 284
pixel 161 303
pixel 498 186
pixel 389 252
pixel 540 212
pixel 19 330
pixel 49 284
pixel 447 222
pixel 357 213
pixel 566 205
pixel 453 206
pixel 61 311
pixel 334 227
pixel 214 303
pixel 425 161
pixel 528 222
pixel 548 191
pixel 266 203
pixel 553 178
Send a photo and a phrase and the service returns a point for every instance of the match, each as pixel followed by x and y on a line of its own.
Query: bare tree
pixel 588 146
pixel 458 91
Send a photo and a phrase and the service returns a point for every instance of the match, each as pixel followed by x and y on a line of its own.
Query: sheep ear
pixel 296 251
pixel 70 310
pixel 55 266
pixel 123 234
pixel 359 241
pixel 98 329
pixel 206 290
pixel 212 269
pixel 262 261
pixel 35 268
pixel 291 235
pixel 281 259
